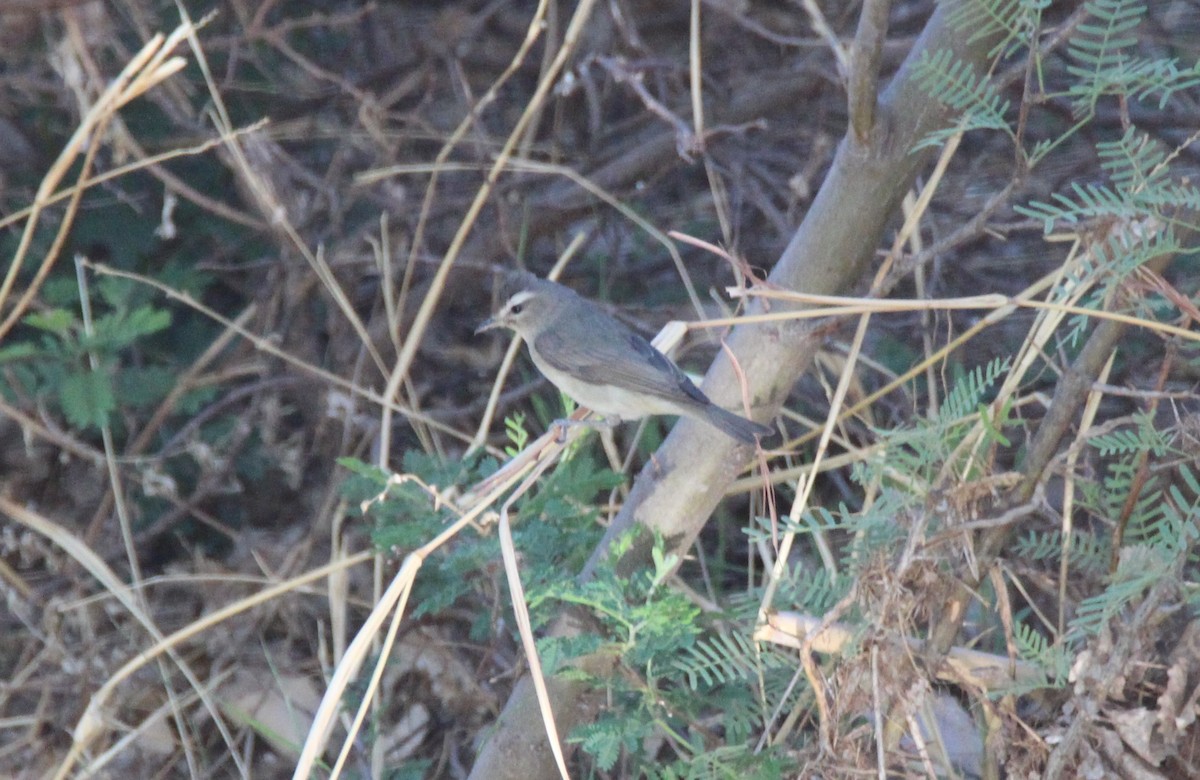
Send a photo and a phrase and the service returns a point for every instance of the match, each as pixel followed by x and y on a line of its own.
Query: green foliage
pixel 651 628
pixel 417 769
pixel 605 738
pixel 1130 584
pixel 729 657
pixel 867 534
pixel 554 529
pixel 1099 63
pixel 1099 53
pixel 1089 552
pixel 726 763
pixel 1170 524
pixel 56 363
pixel 648 623
pixel 1102 62
pixel 1053 659
pixel 87 398
pixel 1150 518
pixel 1143 437
pixel 922 450
pixel 1160 537
pixel 403 510
pixel 1141 188
pixel 514 428
pixel 1013 21
pixel 958 86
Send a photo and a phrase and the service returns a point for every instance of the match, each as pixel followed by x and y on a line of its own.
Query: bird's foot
pixel 563 423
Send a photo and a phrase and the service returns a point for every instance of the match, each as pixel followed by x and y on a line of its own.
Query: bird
pixel 600 362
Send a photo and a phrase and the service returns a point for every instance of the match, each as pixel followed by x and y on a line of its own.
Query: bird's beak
pixel 488 324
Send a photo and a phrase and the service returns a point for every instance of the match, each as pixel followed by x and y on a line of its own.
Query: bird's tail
pixel 738 427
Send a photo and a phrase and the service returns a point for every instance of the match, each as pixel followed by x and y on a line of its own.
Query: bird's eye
pixel 517 308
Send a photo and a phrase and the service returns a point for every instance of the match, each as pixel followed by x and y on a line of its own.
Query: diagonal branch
pixel 682 484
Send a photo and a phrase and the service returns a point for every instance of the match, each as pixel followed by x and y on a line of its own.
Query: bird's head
pixel 529 305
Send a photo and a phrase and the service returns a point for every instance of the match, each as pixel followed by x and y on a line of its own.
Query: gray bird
pixel 600 362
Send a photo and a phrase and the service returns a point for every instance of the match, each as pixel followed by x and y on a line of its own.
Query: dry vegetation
pixel 286 220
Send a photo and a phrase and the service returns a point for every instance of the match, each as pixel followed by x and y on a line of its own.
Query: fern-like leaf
pixel 722 659
pixel 955 84
pixel 1098 51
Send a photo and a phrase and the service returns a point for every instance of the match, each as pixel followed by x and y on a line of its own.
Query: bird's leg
pixel 563 423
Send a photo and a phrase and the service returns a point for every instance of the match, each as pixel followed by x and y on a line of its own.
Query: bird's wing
pixel 653 373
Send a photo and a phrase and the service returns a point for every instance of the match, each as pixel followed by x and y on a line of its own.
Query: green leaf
pixel 515 430
pixel 87 399
pixel 992 427
pixel 116 291
pixel 141 387
pixel 119 330
pixel 366 470
pixel 18 351
pixel 148 319
pixel 57 321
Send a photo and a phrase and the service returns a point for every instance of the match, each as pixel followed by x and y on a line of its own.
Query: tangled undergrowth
pixel 245 254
